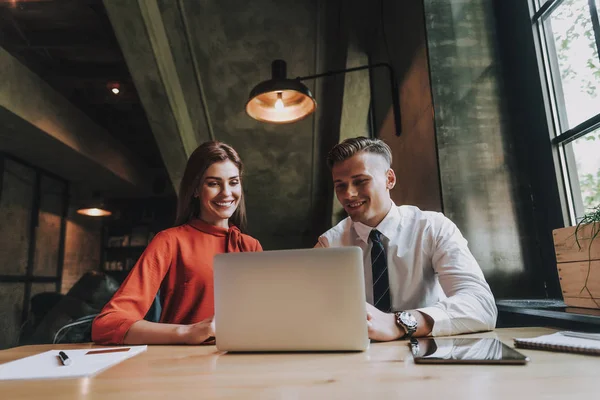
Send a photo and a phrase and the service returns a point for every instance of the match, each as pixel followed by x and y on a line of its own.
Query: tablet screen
pixel 464 350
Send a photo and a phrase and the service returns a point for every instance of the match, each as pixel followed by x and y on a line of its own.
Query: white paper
pixel 47 365
pixel 558 340
pixel 582 335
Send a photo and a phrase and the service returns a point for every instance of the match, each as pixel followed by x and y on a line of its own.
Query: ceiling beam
pixel 165 81
pixel 62 39
pixel 40 126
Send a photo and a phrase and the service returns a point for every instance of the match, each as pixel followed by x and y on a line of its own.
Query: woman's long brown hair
pixel 204 156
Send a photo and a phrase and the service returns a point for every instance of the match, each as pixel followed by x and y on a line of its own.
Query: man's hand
pixel 199 332
pixel 382 326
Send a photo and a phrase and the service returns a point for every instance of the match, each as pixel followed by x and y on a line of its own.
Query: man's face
pixel 362 184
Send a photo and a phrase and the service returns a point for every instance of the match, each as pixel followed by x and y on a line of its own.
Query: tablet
pixel 464 351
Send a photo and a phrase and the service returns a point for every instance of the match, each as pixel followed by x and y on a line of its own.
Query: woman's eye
pixel 361 182
pixel 213 184
pixel 234 182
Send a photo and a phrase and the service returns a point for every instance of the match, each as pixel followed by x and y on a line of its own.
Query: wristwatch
pixel 407 322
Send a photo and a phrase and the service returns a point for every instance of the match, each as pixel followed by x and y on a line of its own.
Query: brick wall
pixel 82 248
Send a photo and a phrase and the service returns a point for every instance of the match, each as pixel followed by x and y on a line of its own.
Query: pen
pixel 64 358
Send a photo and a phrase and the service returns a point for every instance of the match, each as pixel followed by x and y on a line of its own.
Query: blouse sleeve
pixel 135 296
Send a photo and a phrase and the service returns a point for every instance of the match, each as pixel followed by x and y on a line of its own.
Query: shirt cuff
pixel 441 320
pixel 121 331
pixel 107 336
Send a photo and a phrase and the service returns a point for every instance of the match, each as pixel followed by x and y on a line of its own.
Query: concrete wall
pixel 530 125
pixel 199 60
pixel 483 190
pixel 234 43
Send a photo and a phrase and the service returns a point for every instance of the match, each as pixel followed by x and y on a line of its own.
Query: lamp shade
pixel 280 100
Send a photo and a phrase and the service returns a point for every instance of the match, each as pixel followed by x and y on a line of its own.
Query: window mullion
pixel 578 131
pixel 546 9
pixel 595 24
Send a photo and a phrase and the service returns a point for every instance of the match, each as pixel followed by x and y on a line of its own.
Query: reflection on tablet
pixel 464 350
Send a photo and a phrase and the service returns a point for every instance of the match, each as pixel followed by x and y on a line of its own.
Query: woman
pixel 179 260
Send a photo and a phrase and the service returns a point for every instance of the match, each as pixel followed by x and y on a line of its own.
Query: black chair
pixel 52 311
pixel 69 319
pixel 80 330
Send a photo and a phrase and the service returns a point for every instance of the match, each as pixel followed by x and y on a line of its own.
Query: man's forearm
pixel 424 323
pixel 462 313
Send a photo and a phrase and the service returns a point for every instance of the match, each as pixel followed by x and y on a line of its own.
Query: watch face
pixel 408 319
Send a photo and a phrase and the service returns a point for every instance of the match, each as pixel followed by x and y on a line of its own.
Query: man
pixel 420 276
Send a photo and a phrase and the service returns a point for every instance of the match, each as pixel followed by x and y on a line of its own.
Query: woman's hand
pixel 200 332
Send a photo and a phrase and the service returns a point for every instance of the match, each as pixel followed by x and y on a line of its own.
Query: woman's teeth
pixel 223 204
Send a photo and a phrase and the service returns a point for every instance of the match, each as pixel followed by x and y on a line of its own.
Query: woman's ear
pixel 390 179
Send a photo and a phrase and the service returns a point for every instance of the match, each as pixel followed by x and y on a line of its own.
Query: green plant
pixel 592 218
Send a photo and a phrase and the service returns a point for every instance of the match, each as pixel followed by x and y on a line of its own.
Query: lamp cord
pixel 383 33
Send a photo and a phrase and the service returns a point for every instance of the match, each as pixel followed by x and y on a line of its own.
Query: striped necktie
pixel 381 283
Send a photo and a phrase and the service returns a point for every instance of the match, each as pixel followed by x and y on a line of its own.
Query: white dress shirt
pixel 430 268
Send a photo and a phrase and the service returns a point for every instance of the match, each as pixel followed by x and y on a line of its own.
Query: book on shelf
pixel 118 241
pixel 139 236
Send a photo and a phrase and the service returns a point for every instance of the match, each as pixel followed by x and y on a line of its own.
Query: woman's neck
pixel 221 223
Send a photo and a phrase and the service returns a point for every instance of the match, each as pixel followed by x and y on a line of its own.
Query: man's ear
pixel 390 179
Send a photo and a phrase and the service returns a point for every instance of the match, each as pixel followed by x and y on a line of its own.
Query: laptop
pixel 291 300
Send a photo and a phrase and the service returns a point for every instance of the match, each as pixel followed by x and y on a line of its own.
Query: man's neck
pixel 373 222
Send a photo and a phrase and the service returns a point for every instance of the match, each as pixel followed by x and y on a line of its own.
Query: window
pixel 569 34
pixel 33 210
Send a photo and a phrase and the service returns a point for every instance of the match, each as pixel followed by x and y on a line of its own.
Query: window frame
pixel 563 155
pixel 31 277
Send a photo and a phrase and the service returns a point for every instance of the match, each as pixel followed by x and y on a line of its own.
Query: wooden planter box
pixel 575 265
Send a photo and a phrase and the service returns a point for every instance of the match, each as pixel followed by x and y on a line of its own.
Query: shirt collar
pixel 202 226
pixel 388 226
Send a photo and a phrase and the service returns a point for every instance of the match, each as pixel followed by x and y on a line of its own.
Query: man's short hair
pixel 350 147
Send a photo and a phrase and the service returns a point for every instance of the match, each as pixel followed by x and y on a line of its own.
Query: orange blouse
pixel 179 262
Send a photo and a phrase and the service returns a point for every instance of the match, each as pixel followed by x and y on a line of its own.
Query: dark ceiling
pixel 71 45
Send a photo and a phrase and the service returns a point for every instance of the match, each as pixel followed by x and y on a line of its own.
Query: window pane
pixel 585 181
pixel 576 67
pixel 47 244
pixel 16 201
pixel 11 306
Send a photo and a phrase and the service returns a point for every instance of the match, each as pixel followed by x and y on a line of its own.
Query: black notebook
pixel 572 342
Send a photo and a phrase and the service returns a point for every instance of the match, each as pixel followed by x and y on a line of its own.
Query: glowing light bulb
pixel 94 212
pixel 279 103
pixel 115 90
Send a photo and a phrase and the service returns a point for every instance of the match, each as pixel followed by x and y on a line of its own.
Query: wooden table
pixel 386 370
